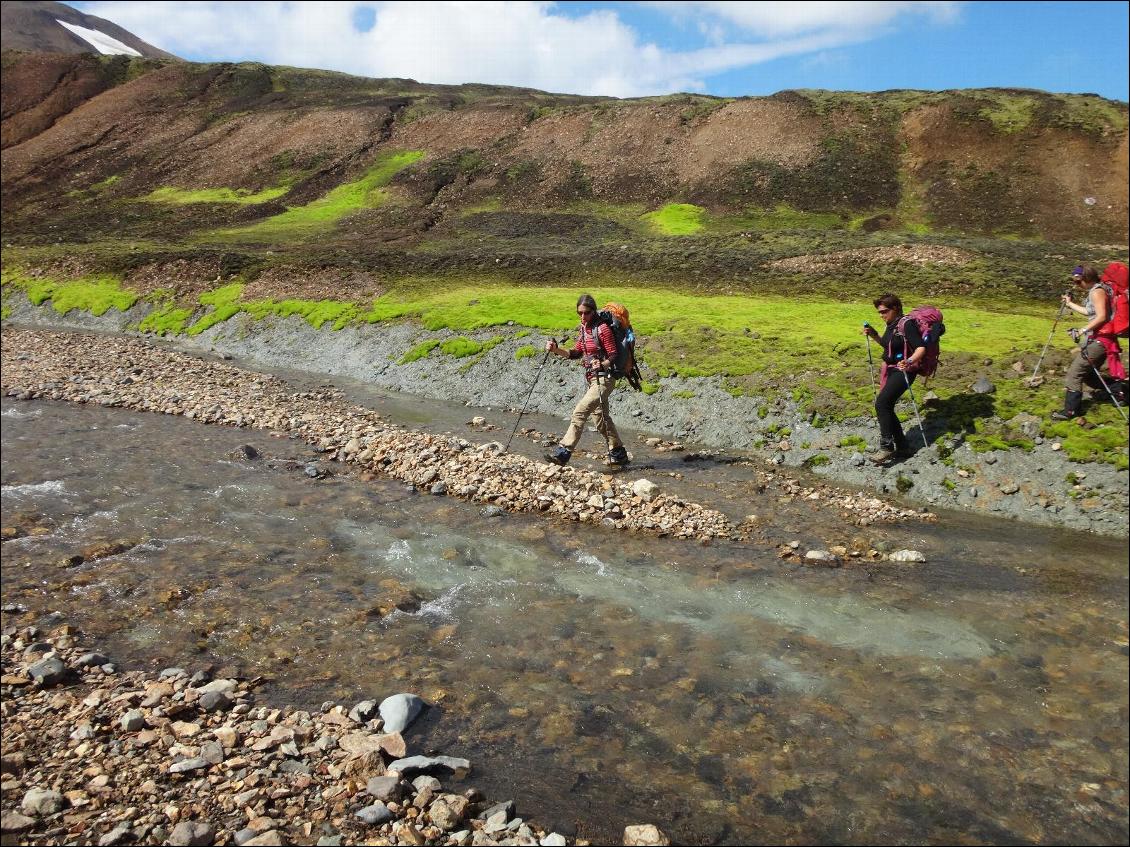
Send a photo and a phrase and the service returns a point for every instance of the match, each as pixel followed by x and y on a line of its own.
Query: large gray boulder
pixel 399 711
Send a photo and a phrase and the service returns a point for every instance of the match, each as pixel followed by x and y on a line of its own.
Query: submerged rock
pixel 645 835
pixel 907 556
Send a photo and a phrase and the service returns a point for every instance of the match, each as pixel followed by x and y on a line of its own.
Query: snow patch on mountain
pixel 100 40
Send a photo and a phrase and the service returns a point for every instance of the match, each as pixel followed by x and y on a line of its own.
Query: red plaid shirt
pixel 600 344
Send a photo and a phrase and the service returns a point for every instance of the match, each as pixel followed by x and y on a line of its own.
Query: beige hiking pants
pixel 595 403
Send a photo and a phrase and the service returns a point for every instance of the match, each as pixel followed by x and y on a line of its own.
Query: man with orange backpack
pixel 1106 307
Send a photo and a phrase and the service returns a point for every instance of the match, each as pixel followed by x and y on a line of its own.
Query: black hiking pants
pixel 890 429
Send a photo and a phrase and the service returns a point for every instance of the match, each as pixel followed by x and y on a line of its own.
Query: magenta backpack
pixel 929 320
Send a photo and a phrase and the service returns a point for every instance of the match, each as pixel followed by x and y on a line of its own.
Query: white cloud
pixel 790 19
pixel 530 44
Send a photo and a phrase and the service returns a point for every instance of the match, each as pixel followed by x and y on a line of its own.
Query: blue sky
pixel 634 49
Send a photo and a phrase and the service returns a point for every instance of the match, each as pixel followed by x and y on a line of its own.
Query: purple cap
pixel 1078 271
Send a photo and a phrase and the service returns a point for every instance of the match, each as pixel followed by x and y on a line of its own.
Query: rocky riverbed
pixel 129 373
pixel 98 754
pixel 1042 486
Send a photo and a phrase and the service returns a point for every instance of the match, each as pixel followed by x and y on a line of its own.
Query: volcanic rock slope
pixel 87 138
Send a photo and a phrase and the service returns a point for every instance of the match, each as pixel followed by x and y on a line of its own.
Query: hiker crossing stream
pixel 599 678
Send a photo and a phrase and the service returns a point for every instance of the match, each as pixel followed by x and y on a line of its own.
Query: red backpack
pixel 929 320
pixel 1118 301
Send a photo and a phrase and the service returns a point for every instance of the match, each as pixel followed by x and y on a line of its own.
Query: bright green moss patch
pixel 649 387
pixel 462 347
pixel 815 461
pixel 166 319
pixel 223 303
pixel 526 351
pixel 853 441
pixel 418 352
pixel 241 196
pixel 314 312
pixel 676 219
pixel 1102 443
pixel 322 214
pixel 683 395
pixel 96 294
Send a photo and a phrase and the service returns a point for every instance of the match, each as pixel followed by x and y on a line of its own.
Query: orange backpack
pixel 616 316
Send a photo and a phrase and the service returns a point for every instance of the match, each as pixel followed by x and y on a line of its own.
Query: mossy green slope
pixel 323 214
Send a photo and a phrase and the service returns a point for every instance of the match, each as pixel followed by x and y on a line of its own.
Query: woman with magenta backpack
pixel 596 347
pixel 903 350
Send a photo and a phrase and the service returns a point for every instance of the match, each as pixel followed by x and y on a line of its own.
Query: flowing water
pixel 599 678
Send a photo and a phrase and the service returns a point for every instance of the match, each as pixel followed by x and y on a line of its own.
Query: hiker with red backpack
pixel 910 347
pixel 1108 320
pixel 600 352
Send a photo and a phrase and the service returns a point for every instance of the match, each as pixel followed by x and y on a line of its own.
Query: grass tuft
pixel 676 219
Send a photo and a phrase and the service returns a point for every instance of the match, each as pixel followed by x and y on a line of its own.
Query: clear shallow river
pixel 602 679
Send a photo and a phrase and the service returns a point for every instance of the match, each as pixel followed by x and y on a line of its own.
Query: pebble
pixel 375 814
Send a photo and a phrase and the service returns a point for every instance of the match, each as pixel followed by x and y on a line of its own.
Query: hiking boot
pixel 1072 400
pixel 618 456
pixel 882 456
pixel 559 455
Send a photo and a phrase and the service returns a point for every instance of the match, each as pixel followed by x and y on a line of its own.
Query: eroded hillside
pixel 181 151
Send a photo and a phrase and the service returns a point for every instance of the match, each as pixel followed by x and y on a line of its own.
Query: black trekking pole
pixel 871 364
pixel 1040 361
pixel 914 403
pixel 1106 388
pixel 529 394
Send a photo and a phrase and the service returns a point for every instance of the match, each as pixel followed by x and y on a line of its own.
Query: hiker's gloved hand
pixel 551 345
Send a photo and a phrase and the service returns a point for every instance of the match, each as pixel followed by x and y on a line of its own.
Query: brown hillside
pixel 978 162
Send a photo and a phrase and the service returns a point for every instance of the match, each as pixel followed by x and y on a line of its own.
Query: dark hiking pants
pixel 890 429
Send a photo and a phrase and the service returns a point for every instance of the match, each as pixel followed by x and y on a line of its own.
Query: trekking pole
pixel 914 403
pixel 871 364
pixel 1040 361
pixel 525 402
pixel 1087 359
